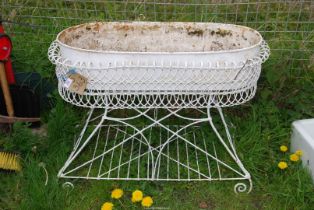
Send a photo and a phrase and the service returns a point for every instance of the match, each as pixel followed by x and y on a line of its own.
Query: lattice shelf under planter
pixel 120 149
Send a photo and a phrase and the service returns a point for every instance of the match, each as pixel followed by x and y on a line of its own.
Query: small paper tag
pixel 68 83
pixel 78 84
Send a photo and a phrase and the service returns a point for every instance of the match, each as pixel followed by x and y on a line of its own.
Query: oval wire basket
pixel 147 83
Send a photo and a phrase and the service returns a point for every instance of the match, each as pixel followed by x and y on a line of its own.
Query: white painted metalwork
pixel 287 25
pixel 147 146
pixel 161 84
pixel 116 149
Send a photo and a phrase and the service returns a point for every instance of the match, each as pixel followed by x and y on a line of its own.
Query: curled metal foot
pixel 43 165
pixel 242 187
pixel 68 186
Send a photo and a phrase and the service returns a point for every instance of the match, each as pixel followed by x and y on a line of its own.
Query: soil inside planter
pixel 159 37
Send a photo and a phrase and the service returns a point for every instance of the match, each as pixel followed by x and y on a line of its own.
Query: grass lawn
pixel 285 94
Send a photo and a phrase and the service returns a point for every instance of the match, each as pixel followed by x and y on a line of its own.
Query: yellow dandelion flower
pixel 299 152
pixel 294 157
pixel 283 148
pixel 107 206
pixel 116 193
pixel 282 165
pixel 147 201
pixel 137 196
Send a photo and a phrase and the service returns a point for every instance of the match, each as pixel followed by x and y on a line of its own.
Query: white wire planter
pixel 159 88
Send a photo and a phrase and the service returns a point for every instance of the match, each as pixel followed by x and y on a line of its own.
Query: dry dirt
pixel 158 37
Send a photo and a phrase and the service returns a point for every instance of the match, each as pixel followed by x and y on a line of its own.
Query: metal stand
pixel 131 148
pixel 158 142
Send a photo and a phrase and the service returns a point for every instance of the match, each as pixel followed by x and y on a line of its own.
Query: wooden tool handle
pixel 6 91
pixel 6 119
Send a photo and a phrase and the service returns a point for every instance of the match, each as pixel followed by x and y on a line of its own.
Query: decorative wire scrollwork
pixel 160 84
pixel 242 187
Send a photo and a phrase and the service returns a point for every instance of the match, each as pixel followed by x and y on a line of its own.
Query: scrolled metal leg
pixel 230 148
pixel 241 187
pixel 68 186
pixel 79 147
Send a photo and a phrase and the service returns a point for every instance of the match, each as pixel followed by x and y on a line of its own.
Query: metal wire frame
pixel 141 84
pixel 116 149
pixel 116 85
pixel 286 25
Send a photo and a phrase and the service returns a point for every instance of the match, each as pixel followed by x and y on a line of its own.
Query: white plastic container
pixel 303 139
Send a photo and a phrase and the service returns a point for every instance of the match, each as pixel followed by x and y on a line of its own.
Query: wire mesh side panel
pixel 127 150
pixel 286 25
pixel 118 153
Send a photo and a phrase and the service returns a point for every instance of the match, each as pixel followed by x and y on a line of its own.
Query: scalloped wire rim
pixel 158 100
pixel 161 83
